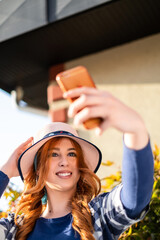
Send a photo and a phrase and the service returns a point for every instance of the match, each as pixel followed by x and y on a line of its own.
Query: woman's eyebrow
pixel 58 149
pixel 69 149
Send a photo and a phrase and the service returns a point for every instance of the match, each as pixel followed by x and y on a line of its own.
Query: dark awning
pixel 65 32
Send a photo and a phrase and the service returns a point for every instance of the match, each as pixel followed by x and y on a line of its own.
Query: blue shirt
pixel 55 228
pixel 112 213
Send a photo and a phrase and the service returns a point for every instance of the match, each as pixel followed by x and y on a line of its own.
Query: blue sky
pixel 16 126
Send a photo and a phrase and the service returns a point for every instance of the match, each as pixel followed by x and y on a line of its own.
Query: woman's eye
pixel 54 154
pixel 72 154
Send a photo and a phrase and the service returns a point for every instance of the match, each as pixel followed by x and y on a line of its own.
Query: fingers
pixel 82 102
pixel 25 145
pixel 88 113
pixel 90 103
pixel 76 92
pixel 28 142
pixel 86 97
pixel 10 168
pixel 102 127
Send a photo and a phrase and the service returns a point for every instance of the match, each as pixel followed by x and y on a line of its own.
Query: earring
pixel 44 198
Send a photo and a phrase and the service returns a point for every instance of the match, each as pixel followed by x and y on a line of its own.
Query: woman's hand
pixel 91 103
pixel 10 167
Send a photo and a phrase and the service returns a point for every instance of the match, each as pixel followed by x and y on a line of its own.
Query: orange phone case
pixel 73 78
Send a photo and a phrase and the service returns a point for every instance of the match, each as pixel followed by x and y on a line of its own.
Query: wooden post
pixel 57 105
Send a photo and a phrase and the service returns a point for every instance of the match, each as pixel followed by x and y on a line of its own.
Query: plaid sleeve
pixel 7 228
pixel 109 216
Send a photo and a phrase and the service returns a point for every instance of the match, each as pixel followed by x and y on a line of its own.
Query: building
pixel 118 41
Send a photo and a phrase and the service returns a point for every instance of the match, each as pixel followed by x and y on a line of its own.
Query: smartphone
pixel 73 78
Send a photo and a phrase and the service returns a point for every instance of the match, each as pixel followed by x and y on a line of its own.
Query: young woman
pixel 61 197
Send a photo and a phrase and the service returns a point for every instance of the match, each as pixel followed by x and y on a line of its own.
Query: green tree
pixel 148 228
pixel 11 195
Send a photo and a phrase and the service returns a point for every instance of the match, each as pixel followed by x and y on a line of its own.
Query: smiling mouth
pixel 64 174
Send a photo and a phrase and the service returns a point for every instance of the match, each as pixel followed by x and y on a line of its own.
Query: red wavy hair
pixel 30 205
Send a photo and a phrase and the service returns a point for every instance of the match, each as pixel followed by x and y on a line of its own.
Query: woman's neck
pixel 58 204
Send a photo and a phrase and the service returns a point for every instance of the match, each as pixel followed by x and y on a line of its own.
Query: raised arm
pixel 137 174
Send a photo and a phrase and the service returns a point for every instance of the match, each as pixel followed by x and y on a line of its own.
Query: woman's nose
pixel 63 162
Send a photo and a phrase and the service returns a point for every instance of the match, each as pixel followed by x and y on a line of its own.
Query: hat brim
pixel 92 154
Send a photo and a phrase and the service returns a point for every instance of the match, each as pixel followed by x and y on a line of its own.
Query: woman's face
pixel 63 172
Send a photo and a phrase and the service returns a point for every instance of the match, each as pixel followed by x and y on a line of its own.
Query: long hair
pixel 31 208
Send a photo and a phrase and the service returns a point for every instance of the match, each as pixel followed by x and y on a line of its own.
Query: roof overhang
pixel 68 34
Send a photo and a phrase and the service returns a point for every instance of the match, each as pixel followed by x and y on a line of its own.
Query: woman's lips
pixel 64 174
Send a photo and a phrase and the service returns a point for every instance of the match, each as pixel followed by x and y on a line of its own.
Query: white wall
pixel 130 72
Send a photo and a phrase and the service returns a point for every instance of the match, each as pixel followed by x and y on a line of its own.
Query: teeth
pixel 64 174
